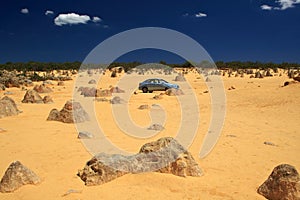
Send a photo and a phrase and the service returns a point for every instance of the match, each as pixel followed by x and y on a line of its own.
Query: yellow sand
pixel 258 111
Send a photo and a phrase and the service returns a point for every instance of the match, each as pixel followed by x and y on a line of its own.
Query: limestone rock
pixel 47 99
pixel 8 107
pixel 156 127
pixel 116 90
pixel 60 83
pixel 259 75
pixel 297 78
pixel 165 155
pixel 72 112
pixel 116 100
pixel 180 78
pixel 103 93
pixel 2 87
pixel 31 96
pixel 143 107
pixel 42 88
pixel 84 135
pixel 16 176
pixel 174 92
pixel 282 184
pixel 93 81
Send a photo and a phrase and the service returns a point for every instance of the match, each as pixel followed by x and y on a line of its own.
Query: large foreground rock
pixel 282 184
pixel 72 112
pixel 165 155
pixel 16 176
pixel 8 107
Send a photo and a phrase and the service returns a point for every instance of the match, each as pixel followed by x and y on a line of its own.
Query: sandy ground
pixel 257 111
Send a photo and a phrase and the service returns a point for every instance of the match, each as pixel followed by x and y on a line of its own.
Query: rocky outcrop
pixel 16 176
pixel 282 184
pixel 259 75
pixel 165 155
pixel 72 112
pixel 8 107
pixel 42 88
pixel 31 96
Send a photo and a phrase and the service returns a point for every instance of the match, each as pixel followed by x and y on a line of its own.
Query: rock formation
pixel 174 92
pixel 16 176
pixel 8 107
pixel 47 99
pixel 180 78
pixel 72 112
pixel 31 96
pixel 165 155
pixel 93 81
pixel 282 184
pixel 42 88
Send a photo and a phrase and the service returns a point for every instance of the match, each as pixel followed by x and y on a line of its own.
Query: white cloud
pixel 71 18
pixel 285 4
pixel 266 7
pixel 185 14
pixel 96 19
pixel 24 11
pixel 49 12
pixel 201 15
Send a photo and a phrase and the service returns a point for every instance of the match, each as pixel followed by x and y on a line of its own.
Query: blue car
pixel 156 84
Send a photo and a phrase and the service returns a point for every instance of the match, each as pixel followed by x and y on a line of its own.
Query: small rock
pixel 47 99
pixel 93 81
pixel 85 135
pixel 101 99
pixel 208 80
pixel 116 100
pixel 158 96
pixel 143 107
pixel 269 143
pixel 60 83
pixel 156 127
pixel 8 93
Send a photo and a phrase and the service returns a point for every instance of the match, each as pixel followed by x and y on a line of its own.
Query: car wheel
pixel 145 90
pixel 150 91
pixel 166 89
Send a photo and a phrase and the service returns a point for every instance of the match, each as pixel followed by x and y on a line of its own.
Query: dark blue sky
pixel 228 30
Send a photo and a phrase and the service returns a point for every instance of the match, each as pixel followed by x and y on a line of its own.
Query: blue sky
pixel 67 30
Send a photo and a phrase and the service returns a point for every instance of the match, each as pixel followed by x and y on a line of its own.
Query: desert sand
pixel 257 111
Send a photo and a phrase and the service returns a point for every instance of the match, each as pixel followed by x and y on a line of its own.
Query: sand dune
pixel 257 111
